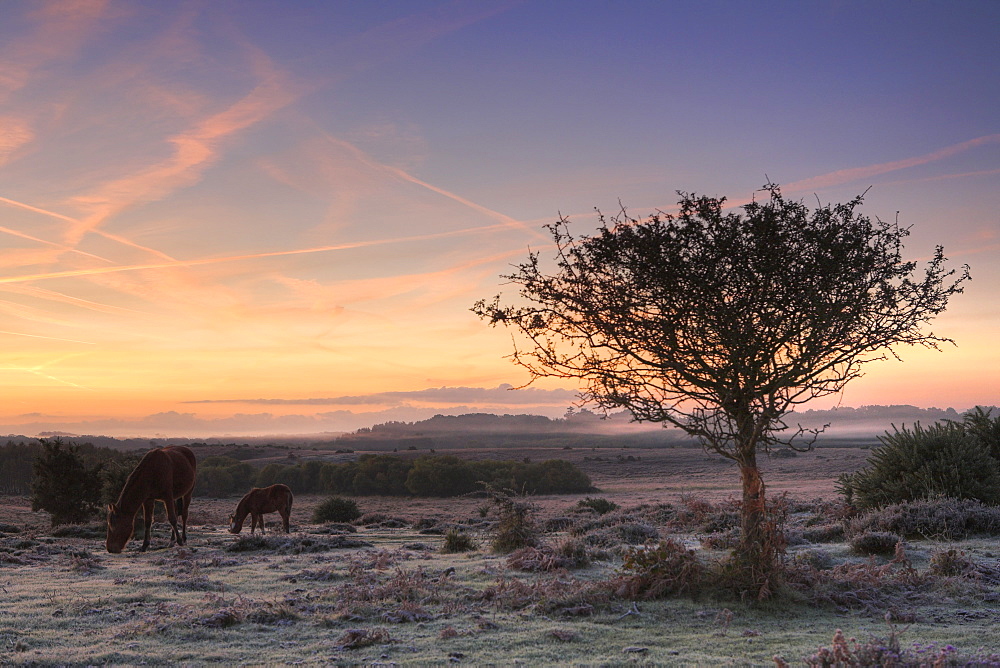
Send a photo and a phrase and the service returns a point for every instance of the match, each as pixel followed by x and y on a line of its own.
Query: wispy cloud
pixel 505 395
pixel 856 173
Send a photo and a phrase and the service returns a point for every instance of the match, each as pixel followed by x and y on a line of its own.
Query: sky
pixel 228 217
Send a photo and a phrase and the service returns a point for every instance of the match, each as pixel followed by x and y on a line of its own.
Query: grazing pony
pixel 166 475
pixel 258 501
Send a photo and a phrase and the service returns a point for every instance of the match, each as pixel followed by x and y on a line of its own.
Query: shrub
pixel 818 559
pixel 457 541
pixel 113 476
pixel 336 509
pixel 721 540
pixel 940 460
pixel 63 485
pixel 985 429
pixel 570 553
pixel 950 563
pixel 824 533
pixel 516 526
pixel 949 519
pixel 880 543
pixel 574 552
pixel 665 570
pixel 637 533
pixel 600 506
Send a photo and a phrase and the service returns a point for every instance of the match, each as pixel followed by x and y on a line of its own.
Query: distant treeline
pixel 389 475
pixel 17 458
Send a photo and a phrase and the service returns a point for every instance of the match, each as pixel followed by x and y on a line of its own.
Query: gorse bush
pixel 64 485
pixel 336 509
pixel 986 429
pixel 943 460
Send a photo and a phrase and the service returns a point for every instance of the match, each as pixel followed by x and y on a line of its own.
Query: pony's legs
pixel 147 520
pixel 183 504
pixel 284 512
pixel 175 534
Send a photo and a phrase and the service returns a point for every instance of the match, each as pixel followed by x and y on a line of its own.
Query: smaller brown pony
pixel 166 475
pixel 258 501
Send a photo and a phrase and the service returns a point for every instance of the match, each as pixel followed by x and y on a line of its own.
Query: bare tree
pixel 721 323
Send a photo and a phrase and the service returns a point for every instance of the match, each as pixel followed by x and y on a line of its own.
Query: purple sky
pixel 217 213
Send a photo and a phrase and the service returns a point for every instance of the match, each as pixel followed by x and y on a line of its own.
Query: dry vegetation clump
pixel 942 519
pixel 96 531
pixel 721 540
pixel 875 543
pixel 83 562
pixel 865 587
pixel 566 554
pixel 554 524
pixel 889 651
pixel 457 541
pixel 377 560
pixel 333 529
pixel 566 597
pixel 824 533
pixel 813 558
pixel 357 638
pixel 669 569
pixel 957 564
pixel 598 505
pixel 696 514
pixel 381 521
pixel 293 544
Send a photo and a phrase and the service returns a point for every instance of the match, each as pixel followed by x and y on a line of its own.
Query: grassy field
pixel 386 594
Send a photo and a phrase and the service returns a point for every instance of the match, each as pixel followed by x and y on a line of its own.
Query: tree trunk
pixel 758 551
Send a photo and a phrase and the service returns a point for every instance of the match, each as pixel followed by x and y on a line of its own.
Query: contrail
pixel 847 175
pixel 69 219
pixel 363 157
pixel 51 338
pixel 235 258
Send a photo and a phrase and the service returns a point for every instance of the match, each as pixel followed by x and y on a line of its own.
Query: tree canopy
pixel 720 323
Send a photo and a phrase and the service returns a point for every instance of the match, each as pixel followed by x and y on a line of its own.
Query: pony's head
pixel 233 527
pixel 120 529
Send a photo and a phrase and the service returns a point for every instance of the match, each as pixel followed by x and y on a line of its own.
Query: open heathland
pixel 415 581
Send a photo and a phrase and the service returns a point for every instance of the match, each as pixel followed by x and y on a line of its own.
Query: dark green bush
pixel 986 429
pixel 64 485
pixel 336 509
pixel 943 460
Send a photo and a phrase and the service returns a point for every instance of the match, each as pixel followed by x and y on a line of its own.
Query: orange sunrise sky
pixel 238 218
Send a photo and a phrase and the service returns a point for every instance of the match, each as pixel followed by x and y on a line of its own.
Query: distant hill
pixel 579 428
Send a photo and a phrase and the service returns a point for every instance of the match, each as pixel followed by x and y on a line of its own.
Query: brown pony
pixel 166 475
pixel 258 501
